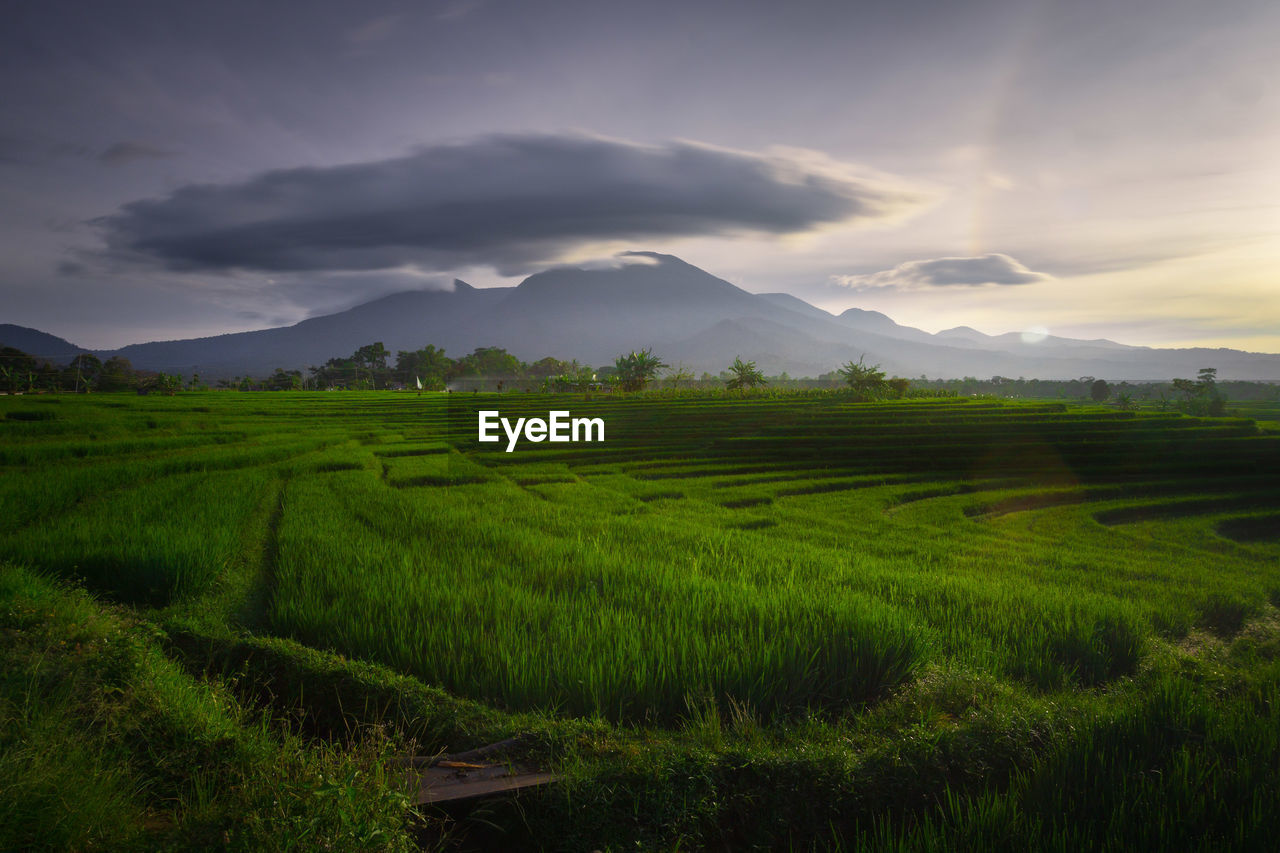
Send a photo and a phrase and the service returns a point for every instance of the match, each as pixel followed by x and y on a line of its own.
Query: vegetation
pixel 865 380
pixel 635 370
pixel 106 743
pixel 744 376
pixel 786 619
pixel 1202 396
pixel 495 369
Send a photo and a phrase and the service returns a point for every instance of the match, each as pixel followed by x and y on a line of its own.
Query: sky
pixel 1094 169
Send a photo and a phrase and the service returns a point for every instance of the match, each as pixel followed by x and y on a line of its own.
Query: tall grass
pixel 915 625
pixel 782 552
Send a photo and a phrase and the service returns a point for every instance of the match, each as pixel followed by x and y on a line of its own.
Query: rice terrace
pixel 745 619
pixel 488 426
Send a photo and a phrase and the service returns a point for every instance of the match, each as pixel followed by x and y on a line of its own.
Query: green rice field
pixel 790 620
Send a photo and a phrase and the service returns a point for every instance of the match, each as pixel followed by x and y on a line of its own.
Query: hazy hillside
pixel 401 321
pixel 39 344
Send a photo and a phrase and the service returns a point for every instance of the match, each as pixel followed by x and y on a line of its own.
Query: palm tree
pixel 866 380
pixel 636 369
pixel 744 375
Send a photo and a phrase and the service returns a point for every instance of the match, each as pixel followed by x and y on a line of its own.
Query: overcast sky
pixel 1098 169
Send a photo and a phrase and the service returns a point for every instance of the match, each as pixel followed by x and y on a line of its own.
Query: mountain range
pixel 686 315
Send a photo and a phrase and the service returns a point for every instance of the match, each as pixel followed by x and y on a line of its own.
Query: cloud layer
pixel 511 202
pixel 990 269
pixel 123 153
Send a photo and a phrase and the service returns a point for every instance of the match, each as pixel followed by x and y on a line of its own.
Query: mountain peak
pixel 667 280
pixel 37 343
pixel 864 314
pixel 656 256
pixel 962 332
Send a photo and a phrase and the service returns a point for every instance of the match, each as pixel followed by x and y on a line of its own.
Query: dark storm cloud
pixel 511 202
pixel 122 153
pixel 991 269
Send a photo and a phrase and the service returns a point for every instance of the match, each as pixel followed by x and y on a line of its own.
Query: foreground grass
pixel 775 622
pixel 105 743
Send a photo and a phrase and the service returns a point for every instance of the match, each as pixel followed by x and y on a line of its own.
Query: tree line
pixel 24 373
pixel 372 367
pixel 1204 395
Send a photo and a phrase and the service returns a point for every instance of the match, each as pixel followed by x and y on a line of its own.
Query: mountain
pixel 964 334
pixel 796 304
pixel 880 324
pixel 39 344
pixel 401 321
pixel 687 316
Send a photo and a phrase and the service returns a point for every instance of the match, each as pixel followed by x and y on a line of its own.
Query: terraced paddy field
pixel 784 621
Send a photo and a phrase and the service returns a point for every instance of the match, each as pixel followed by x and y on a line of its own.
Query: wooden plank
pixel 473 773
pixel 442 784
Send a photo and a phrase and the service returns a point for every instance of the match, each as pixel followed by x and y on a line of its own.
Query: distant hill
pixel 407 320
pixel 39 344
pixel 684 313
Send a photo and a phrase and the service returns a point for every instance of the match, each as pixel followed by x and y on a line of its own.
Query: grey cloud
pixel 317 294
pixel 990 269
pixel 265 318
pixel 510 202
pixel 374 30
pixel 21 151
pixel 458 10
pixel 123 153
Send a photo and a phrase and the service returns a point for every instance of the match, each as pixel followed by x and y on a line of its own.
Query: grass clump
pixel 106 744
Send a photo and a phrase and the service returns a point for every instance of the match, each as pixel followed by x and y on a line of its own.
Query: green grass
pixel 106 744
pixel 729 591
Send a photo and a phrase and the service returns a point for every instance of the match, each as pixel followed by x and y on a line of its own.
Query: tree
pixel 1125 402
pixel 743 375
pixel 83 371
pixel 15 369
pixel 867 381
pixel 1201 396
pixel 1186 388
pixel 285 380
pixel 429 364
pixel 373 358
pixel 338 372
pixel 637 369
pixel 163 383
pixel 679 376
pixel 546 367
pixel 490 362
pixel 898 386
pixel 117 375
pixel 1099 391
pixel 1207 382
pixel 578 378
